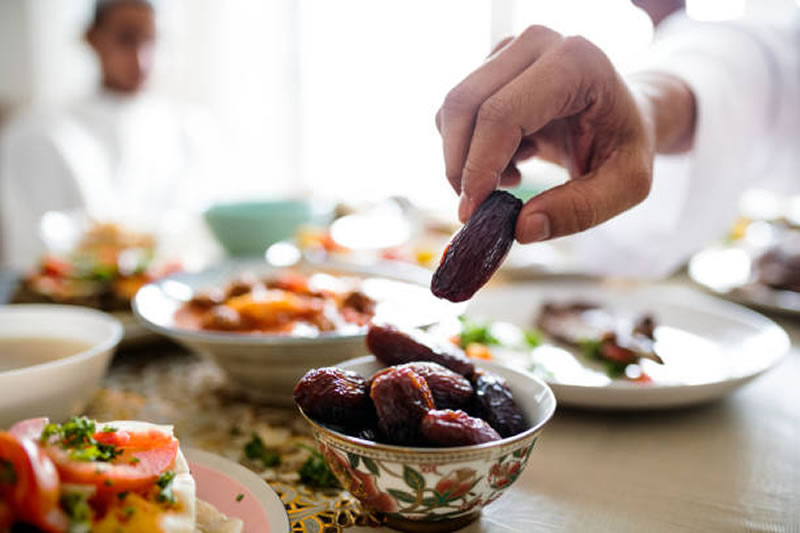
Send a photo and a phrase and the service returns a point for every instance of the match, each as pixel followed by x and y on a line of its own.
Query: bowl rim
pixel 107 344
pixel 429 451
pixel 232 266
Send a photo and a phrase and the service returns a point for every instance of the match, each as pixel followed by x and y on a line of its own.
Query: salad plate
pixel 709 347
pixel 237 492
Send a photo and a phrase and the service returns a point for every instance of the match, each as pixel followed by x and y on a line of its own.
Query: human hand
pixel 558 98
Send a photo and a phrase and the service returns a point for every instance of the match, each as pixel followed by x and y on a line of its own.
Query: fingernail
pixel 465 207
pixel 535 227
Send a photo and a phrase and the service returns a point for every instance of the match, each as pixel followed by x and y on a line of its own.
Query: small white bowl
pixel 60 388
pixel 435 490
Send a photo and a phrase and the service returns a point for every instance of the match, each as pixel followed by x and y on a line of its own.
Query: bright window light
pixel 715 10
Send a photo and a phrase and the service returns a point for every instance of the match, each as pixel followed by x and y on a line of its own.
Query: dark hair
pixel 102 7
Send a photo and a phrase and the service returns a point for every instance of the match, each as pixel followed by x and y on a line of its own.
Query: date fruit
pixel 455 428
pixel 449 389
pixel 393 347
pixel 334 396
pixel 494 403
pixel 402 398
pixel 478 249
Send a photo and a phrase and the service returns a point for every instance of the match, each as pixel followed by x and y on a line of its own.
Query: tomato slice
pixel 30 484
pixel 145 455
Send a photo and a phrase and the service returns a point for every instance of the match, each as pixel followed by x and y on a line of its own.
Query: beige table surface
pixel 733 465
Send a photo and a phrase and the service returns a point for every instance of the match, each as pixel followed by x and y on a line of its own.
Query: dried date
pixel 478 249
pixel 334 396
pixel 455 428
pixel 402 398
pixel 393 347
pixel 494 403
pixel 449 389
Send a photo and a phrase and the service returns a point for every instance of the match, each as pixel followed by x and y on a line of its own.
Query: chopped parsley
pixel 135 461
pixel 122 495
pixel 8 476
pixel 164 482
pixel 240 497
pixel 109 429
pixel 255 450
pixel 77 436
pixel 475 332
pixel 128 512
pixel 76 505
pixel 315 472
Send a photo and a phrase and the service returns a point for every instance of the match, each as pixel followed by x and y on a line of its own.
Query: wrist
pixel 668 109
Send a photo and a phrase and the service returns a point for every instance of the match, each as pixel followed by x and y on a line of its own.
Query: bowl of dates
pixel 425 445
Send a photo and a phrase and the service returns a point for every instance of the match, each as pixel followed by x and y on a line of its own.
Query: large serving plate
pixel 710 347
pixel 269 365
pixel 726 270
pixel 237 492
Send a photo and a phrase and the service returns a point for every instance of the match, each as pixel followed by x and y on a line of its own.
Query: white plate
pixel 220 482
pixel 710 347
pixel 727 271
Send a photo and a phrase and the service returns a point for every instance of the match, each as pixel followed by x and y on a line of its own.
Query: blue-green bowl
pixel 249 228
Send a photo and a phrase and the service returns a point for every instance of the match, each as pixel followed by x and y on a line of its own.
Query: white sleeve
pixel 34 179
pixel 744 77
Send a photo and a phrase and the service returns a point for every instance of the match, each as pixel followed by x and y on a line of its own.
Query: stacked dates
pixel 431 396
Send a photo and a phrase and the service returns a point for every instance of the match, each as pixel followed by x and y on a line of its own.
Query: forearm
pixel 669 107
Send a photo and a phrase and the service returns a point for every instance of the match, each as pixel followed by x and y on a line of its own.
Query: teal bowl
pixel 249 228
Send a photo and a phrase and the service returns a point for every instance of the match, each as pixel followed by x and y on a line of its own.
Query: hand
pixel 558 98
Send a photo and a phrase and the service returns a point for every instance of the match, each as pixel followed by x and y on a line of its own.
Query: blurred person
pixel 121 154
pixel 715 110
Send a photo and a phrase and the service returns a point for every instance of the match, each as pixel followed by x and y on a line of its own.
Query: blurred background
pixel 301 98
pixel 332 97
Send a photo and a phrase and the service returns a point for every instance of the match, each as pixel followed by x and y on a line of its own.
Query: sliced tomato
pixel 30 484
pixel 145 455
pixel 55 267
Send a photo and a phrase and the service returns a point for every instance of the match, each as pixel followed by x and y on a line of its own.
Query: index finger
pixel 456 117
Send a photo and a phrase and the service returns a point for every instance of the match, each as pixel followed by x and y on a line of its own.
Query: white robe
pixel 135 160
pixel 746 79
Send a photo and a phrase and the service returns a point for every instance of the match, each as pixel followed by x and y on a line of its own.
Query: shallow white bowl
pixel 436 489
pixel 61 388
pixel 267 366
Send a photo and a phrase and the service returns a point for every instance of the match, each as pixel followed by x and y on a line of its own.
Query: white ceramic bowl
pixel 267 366
pixel 436 489
pixel 61 388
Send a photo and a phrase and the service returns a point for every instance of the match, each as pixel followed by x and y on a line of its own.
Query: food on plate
pixel 417 402
pixel 478 249
pixel 601 334
pixel 393 346
pixel 104 271
pixel 779 266
pixel 100 477
pixel 286 303
pixel 477 338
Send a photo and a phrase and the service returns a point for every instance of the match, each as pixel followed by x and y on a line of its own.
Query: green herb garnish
pixel 135 461
pixel 128 512
pixel 164 482
pixel 8 476
pixel 122 495
pixel 77 436
pixel 240 497
pixel 475 332
pixel 533 337
pixel 109 429
pixel 315 471
pixel 255 450
pixel 76 505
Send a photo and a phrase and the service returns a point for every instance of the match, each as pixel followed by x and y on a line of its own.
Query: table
pixel 733 465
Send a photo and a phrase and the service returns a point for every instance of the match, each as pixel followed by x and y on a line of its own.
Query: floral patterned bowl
pixel 435 489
